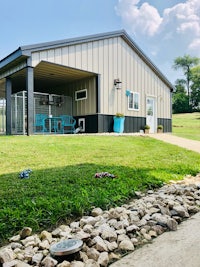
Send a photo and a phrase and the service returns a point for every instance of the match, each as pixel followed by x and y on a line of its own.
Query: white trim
pixel 80 91
pixel 134 93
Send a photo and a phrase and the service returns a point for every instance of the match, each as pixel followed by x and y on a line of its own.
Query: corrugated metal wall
pixel 112 58
pixel 86 106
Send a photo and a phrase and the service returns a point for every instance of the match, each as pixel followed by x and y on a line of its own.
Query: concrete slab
pixel 171 249
pixel 179 141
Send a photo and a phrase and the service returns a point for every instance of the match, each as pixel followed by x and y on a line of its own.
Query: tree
pixel 195 88
pixel 186 63
pixel 180 98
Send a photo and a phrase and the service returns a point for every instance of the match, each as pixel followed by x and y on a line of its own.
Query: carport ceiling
pixel 49 75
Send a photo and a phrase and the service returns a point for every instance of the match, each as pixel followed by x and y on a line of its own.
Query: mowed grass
pixel 62 186
pixel 187 125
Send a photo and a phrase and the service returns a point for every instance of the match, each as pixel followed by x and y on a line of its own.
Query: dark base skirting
pixel 99 123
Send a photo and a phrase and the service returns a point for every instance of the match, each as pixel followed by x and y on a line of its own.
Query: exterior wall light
pixel 117 84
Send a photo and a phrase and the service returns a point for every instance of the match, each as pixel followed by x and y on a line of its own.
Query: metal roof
pixel 25 51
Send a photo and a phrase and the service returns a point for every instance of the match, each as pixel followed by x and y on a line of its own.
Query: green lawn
pixel 62 185
pixel 187 125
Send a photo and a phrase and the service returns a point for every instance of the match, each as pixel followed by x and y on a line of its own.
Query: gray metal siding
pixel 113 58
pixel 85 106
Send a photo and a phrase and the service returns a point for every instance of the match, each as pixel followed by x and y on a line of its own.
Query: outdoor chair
pixel 67 124
pixel 40 123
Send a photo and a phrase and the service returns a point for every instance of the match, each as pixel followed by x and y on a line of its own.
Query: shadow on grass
pixel 52 196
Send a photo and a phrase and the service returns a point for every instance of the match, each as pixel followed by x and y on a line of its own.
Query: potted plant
pixel 118 126
pixel 160 128
pixel 146 129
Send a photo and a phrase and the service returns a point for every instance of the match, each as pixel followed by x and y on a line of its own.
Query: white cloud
pixel 195 45
pixel 145 18
pixel 164 36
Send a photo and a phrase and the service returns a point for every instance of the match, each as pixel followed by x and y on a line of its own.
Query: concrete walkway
pixel 179 141
pixel 171 249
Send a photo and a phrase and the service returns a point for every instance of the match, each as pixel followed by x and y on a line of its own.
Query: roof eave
pixel 13 59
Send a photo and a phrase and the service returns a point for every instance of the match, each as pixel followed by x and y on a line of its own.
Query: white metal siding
pixel 113 58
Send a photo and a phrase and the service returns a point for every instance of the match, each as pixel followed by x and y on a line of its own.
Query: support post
pixel 8 106
pixel 30 99
pixel 98 93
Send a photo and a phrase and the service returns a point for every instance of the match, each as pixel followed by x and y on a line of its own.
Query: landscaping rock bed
pixel 107 235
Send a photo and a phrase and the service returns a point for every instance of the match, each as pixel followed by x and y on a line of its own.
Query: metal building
pixel 91 78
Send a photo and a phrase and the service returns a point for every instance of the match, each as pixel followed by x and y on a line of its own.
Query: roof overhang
pixel 47 76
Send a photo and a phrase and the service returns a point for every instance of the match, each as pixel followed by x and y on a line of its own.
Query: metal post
pixel 30 99
pixel 8 106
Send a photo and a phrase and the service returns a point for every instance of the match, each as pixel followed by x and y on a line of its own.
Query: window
pixel 133 101
pixel 81 94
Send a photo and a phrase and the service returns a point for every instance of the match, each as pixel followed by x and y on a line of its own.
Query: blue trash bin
pixel 118 124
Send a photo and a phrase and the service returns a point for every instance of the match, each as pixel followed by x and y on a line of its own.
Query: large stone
pixel 126 245
pixel 64 264
pixel 152 233
pixel 44 244
pixel 93 254
pixel 83 256
pixel 88 228
pixel 10 263
pixel 22 264
pixel 172 224
pixel 100 244
pixel 56 232
pixel 46 235
pixel 103 259
pixel 109 235
pixel 6 255
pixel 91 263
pixel 114 256
pixel 31 241
pixel 49 262
pixel 181 211
pixel 161 219
pixel 26 231
pixel 96 212
pixel 111 245
pixel 77 264
pixel 134 218
pixel 15 245
pixel 82 235
pixel 75 225
pixel 122 238
pixel 15 238
pixel 88 220
pixel 37 258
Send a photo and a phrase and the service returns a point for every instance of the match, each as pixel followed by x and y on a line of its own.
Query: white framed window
pixel 81 94
pixel 133 101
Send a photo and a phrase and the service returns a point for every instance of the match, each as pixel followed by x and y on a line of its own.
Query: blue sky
pixel 164 29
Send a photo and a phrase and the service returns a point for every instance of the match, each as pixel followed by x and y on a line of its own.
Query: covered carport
pixel 45 77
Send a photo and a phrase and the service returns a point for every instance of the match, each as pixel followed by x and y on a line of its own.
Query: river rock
pixel 96 212
pixel 49 262
pixel 100 244
pixel 126 245
pixel 6 255
pixel 64 264
pixel 103 259
pixel 26 231
pixel 93 254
